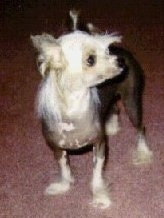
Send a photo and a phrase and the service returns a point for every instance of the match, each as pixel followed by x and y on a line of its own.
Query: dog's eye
pixel 91 60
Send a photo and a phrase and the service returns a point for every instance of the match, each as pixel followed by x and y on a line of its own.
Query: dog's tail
pixel 74 15
pixel 78 25
pixel 75 22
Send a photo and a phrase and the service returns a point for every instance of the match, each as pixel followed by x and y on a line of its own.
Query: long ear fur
pixel 109 38
pixel 39 40
pixel 50 55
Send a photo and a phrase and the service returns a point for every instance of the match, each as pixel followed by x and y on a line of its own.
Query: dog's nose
pixel 121 62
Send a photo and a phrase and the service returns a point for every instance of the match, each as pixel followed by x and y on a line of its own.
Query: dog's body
pixel 83 75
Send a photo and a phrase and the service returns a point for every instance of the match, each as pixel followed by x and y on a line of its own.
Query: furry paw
pixel 112 126
pixel 142 156
pixel 101 200
pixel 57 188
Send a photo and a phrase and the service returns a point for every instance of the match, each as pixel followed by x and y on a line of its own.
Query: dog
pixel 83 75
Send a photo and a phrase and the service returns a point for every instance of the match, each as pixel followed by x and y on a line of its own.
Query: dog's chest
pixel 76 134
pixel 79 125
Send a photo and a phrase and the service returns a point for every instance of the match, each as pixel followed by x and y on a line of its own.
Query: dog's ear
pixel 39 41
pixel 50 55
pixel 108 39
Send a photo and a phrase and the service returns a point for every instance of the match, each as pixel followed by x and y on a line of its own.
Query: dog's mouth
pixel 100 77
pixel 98 80
pixel 109 75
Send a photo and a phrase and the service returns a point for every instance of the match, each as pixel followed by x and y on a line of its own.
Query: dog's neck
pixel 58 102
pixel 77 102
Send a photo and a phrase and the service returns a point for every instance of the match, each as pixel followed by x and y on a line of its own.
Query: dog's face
pixel 77 58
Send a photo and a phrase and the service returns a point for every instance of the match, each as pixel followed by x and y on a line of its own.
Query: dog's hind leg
pixel 143 154
pixel 65 178
pixel 133 105
pixel 99 188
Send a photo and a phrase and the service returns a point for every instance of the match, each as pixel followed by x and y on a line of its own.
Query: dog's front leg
pixel 99 188
pixel 65 178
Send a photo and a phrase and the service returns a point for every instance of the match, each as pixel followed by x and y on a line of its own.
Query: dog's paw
pixel 143 155
pixel 112 126
pixel 101 200
pixel 57 188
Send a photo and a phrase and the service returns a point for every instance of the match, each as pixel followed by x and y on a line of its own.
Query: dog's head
pixel 77 58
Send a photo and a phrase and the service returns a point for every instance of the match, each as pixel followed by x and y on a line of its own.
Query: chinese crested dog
pixel 83 75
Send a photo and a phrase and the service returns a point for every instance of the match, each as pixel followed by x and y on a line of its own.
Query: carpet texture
pixel 27 165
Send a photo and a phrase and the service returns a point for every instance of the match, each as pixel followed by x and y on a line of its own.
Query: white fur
pixel 68 54
pixel 57 188
pixel 112 125
pixel 65 169
pixel 66 90
pixel 101 199
pixel 47 100
pixel 97 174
pixel 79 101
pixel 99 188
pixel 50 105
pixel 75 100
pixel 66 179
pixel 73 55
pixel 74 46
pixel 143 155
